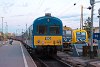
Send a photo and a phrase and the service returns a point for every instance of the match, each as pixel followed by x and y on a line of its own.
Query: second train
pixel 73 36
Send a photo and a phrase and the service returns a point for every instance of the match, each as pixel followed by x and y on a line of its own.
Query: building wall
pixel 96 30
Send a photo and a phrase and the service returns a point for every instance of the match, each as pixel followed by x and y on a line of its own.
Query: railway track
pixel 55 61
pixel 49 62
pixel 45 61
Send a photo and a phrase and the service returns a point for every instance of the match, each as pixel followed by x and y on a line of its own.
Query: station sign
pixel 96 36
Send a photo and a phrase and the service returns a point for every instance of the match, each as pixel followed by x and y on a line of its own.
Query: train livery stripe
pixel 48 40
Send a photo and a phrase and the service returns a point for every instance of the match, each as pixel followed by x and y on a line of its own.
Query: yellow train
pixel 79 36
pixel 67 37
pixel 70 36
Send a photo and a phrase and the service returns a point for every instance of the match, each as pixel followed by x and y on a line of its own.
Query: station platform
pixel 15 55
pixel 79 61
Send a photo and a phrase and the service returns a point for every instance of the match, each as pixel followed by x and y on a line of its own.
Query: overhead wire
pixel 41 3
pixel 40 6
pixel 69 8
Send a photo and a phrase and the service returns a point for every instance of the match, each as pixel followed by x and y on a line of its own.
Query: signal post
pixel 99 35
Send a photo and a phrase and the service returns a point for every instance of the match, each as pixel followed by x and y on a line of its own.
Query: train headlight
pixel 38 41
pixel 42 42
pixel 65 39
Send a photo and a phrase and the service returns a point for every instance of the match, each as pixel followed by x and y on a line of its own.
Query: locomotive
pixel 45 35
pixel 79 36
pixel 67 38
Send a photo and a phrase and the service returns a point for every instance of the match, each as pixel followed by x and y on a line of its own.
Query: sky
pixel 18 13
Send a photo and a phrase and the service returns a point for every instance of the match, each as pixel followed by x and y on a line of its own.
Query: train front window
pixel 42 29
pixel 64 32
pixel 80 36
pixel 54 30
pixel 68 33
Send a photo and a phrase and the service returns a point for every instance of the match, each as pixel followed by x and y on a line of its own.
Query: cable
pixel 74 4
pixel 41 3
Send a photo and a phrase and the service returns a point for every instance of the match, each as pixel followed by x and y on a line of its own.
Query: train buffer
pixel 15 55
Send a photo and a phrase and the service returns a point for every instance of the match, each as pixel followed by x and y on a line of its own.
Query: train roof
pixel 78 30
pixel 67 28
pixel 44 19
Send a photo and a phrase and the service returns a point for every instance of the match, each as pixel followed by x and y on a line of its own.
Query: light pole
pixel 99 32
pixel 6 29
pixel 81 23
pixel 26 33
pixel 22 34
pixel 81 20
pixel 18 30
pixel 91 37
pixel 2 27
pixel 92 2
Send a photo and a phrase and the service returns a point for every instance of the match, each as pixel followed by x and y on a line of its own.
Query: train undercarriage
pixel 47 50
pixel 44 50
pixel 67 47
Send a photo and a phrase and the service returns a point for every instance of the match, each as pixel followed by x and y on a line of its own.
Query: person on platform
pixel 10 41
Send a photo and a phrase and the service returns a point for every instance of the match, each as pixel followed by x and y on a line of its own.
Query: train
pixel 45 35
pixel 73 36
pixel 79 39
pixel 79 36
pixel 67 37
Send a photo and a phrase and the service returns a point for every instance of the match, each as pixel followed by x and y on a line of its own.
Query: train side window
pixel 54 29
pixel 42 29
